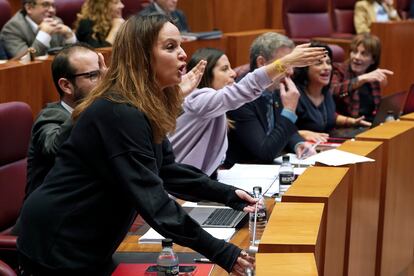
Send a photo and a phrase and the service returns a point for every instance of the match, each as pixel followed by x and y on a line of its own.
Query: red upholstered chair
pixel 5 12
pixel 67 10
pixel 134 6
pixel 403 8
pixel 15 127
pixel 343 17
pixel 6 270
pixel 303 20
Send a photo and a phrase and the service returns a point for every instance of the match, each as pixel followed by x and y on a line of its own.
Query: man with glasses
pixel 36 26
pixel 76 71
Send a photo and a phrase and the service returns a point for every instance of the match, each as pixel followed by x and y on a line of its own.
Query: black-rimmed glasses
pixel 46 5
pixel 92 75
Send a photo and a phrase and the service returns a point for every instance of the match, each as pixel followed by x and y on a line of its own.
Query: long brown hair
pixel 132 80
pixel 99 12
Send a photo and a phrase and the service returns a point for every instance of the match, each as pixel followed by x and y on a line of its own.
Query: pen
pixel 202 260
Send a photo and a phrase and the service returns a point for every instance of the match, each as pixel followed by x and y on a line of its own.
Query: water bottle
pixel 286 175
pixel 259 217
pixel 390 116
pixel 167 260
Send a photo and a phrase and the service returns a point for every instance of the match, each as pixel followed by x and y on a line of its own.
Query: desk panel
pixel 393 36
pixel 22 82
pixel 295 228
pixel 330 186
pixel 396 220
pixel 363 212
pixel 286 264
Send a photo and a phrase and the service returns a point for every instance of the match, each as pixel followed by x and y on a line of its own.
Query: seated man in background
pixel 76 70
pixel 168 7
pixel 264 127
pixel 3 55
pixel 36 26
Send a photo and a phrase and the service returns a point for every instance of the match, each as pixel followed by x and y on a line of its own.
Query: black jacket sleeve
pixel 84 34
pixel 134 160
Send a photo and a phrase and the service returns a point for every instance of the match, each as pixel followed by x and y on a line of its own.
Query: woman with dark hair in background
pixel 99 21
pixel 356 84
pixel 117 162
pixel 316 108
pixel 200 138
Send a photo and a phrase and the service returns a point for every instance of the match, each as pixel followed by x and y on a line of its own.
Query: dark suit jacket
pixel 3 54
pixel 51 128
pixel 18 35
pixel 248 141
pixel 177 15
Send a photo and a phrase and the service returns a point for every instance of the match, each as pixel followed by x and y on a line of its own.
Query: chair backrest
pixel 15 127
pixel 306 19
pixel 409 102
pixel 403 8
pixel 6 270
pixel 5 12
pixel 134 6
pixel 343 16
pixel 67 10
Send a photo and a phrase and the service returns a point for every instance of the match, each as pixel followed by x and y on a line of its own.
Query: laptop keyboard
pixel 222 217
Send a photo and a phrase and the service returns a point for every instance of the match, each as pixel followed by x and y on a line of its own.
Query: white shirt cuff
pixel 44 38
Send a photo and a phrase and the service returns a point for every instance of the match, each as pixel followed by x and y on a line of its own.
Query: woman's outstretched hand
pixel 303 56
pixel 190 81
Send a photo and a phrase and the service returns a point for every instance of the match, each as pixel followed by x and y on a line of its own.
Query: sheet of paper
pixel 335 157
pixel 152 236
pixel 246 176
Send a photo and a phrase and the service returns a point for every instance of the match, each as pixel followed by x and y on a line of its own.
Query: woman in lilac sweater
pixel 200 138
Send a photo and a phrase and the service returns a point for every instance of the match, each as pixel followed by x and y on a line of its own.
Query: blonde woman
pixel 368 11
pixel 99 21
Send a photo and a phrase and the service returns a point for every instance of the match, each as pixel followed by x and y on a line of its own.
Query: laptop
pixel 409 102
pixel 391 104
pixel 218 217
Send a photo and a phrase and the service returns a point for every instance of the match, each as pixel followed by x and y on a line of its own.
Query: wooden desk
pixel 363 212
pixel 238 45
pixel 22 82
pixel 241 239
pixel 395 249
pixel 225 15
pixel 191 46
pixel 330 186
pixel 408 117
pixel 295 228
pixel 286 264
pixel 396 53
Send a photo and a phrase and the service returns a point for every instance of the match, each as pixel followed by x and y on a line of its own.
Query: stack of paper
pixel 246 176
pixel 152 236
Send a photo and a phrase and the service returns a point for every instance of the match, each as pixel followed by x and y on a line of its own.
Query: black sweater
pixel 107 170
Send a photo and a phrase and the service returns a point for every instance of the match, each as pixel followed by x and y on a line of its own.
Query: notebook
pixel 217 217
pixel 392 103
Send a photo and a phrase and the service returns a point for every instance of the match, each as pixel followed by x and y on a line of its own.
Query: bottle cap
pixel 285 158
pixel 167 242
pixel 257 189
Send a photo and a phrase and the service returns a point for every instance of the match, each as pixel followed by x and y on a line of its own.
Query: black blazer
pixel 248 141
